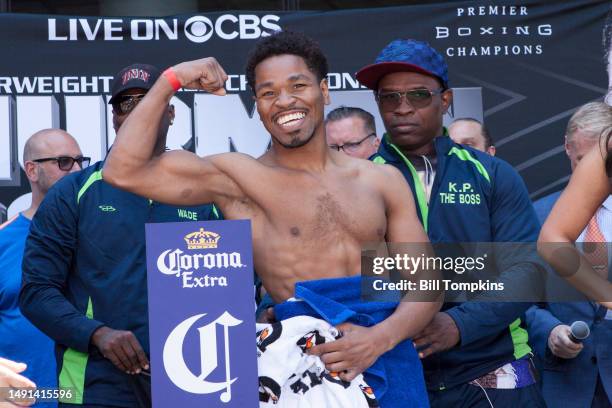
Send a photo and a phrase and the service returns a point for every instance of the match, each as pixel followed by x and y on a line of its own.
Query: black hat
pixel 134 76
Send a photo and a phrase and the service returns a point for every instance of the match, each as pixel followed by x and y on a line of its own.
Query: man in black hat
pixel 475 354
pixel 84 270
pixel 128 88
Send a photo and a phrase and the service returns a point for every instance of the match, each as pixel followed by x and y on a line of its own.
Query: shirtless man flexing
pixel 311 208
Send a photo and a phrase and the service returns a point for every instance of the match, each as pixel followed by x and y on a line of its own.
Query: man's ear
pixel 447 99
pixel 325 90
pixel 376 142
pixel 31 171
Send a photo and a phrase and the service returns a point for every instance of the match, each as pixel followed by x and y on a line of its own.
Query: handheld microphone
pixel 579 331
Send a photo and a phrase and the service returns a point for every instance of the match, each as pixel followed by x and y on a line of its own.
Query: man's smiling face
pixel 290 99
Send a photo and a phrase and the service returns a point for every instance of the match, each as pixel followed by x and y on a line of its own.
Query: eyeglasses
pixel 351 146
pixel 417 98
pixel 65 163
pixel 127 103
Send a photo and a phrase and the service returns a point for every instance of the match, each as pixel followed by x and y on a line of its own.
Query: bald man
pixel 48 156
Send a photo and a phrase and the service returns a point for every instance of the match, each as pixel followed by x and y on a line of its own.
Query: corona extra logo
pixel 202 239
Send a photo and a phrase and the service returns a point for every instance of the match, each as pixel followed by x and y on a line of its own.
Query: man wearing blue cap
pixel 475 354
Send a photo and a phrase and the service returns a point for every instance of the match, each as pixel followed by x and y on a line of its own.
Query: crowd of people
pixel 326 186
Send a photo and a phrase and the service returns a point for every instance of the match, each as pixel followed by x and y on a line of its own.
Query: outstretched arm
pixel 177 177
pixel 588 188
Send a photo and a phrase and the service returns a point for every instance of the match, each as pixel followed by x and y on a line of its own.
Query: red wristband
pixel 172 79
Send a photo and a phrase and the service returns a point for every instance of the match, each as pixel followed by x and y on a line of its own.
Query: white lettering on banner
pixel 113 26
pixel 197 28
pixel 519 32
pixel 190 281
pixel 249 27
pixel 494 50
pixel 492 11
pixel 101 84
pixel 446 32
pixel 219 28
pixel 52 31
pixel 545 29
pixel 89 33
pixel 170 33
pixel 136 26
pixel 55 84
pixel 178 371
pixel 175 262
pixel 236 83
pixel 344 80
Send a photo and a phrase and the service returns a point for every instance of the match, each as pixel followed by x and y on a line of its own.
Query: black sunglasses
pixel 418 98
pixel 351 146
pixel 127 103
pixel 65 163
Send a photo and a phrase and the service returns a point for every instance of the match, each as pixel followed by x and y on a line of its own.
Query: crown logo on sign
pixel 202 239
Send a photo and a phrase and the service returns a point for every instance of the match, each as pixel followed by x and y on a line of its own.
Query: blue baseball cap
pixel 402 56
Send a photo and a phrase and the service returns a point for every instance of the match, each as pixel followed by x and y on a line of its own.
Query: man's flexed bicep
pixel 177 177
pixel 135 162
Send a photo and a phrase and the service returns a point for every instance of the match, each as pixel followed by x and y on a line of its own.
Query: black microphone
pixel 579 331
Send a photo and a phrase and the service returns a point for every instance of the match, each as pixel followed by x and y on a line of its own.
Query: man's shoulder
pixel 371 167
pixel 92 178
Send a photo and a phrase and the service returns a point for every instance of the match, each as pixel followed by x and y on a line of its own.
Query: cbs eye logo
pixel 199 29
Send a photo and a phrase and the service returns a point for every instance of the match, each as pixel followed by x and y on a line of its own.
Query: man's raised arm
pixel 174 177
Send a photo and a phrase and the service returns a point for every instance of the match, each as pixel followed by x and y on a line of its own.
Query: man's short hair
pixel 344 112
pixel 287 42
pixel 483 130
pixel 592 118
pixel 607 38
